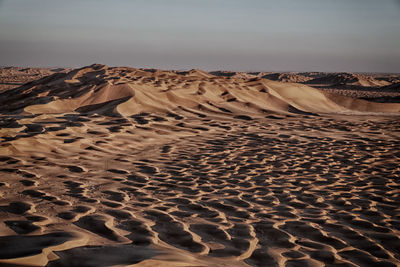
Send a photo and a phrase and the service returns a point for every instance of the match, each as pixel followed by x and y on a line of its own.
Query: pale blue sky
pixel 249 35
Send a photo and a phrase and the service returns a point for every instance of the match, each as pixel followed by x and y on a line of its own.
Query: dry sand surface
pixel 106 166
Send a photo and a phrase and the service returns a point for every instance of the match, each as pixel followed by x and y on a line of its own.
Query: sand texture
pixel 106 166
pixel 13 77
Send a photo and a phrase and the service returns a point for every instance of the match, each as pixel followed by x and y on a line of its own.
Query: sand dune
pixel 106 166
pixel 287 77
pixel 12 77
pixel 349 79
pixel 395 87
pixel 130 91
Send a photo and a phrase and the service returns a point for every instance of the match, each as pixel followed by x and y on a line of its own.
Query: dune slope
pixel 132 91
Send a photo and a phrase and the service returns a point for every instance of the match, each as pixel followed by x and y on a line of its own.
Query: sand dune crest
pixel 96 85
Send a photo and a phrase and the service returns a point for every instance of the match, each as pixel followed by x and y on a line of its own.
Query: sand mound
pixel 195 73
pixel 234 74
pixel 395 87
pixel 12 77
pixel 348 79
pixel 128 91
pixel 287 77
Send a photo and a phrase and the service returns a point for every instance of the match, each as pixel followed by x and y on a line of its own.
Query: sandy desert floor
pixel 198 184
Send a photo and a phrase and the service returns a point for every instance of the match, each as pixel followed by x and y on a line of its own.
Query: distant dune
pixel 287 77
pixel 12 77
pixel 128 91
pixel 340 79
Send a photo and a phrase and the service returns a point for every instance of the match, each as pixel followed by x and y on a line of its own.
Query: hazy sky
pixel 269 35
